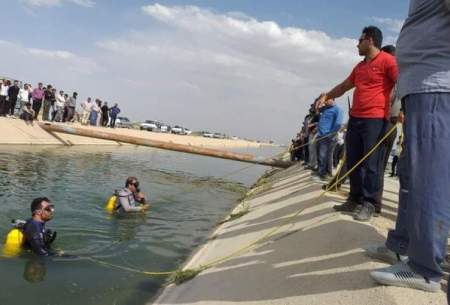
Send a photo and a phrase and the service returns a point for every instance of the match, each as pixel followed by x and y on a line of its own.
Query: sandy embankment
pixel 318 258
pixel 14 131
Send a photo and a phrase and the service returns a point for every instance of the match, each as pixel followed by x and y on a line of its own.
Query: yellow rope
pixel 269 234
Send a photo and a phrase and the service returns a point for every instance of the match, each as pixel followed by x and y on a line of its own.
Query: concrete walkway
pixel 317 259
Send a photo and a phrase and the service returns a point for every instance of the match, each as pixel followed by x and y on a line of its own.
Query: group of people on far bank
pixel 27 103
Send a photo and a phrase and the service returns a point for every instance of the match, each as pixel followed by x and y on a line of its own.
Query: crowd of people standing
pixel 408 86
pixel 27 103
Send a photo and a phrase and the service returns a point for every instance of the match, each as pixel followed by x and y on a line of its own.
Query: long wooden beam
pixel 100 134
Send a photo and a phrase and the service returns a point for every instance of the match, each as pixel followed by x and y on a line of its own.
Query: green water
pixel 190 194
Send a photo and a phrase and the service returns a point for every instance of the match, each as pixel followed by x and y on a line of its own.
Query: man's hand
pixel 321 101
pixel 401 117
pixel 140 197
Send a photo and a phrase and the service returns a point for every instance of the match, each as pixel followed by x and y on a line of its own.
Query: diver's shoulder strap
pixel 18 223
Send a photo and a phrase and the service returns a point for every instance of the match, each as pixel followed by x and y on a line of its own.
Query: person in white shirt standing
pixel 24 96
pixel 4 87
pixel 87 107
pixel 59 105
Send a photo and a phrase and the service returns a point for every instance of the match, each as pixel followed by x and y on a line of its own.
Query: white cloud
pixel 228 69
pixel 49 3
pixel 27 64
pixel 221 72
pixel 392 25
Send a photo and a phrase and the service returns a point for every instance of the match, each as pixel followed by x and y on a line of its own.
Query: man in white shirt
pixel 59 105
pixel 24 96
pixel 87 107
pixel 4 87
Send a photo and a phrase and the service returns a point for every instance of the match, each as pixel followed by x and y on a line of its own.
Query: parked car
pixel 149 125
pixel 187 131
pixel 208 134
pixel 164 127
pixel 178 130
pixel 123 122
pixel 219 135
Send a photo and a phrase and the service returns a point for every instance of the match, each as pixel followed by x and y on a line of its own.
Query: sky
pixel 242 67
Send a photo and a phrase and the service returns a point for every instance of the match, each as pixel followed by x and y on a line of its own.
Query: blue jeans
pixel 362 135
pixel 325 157
pixel 422 226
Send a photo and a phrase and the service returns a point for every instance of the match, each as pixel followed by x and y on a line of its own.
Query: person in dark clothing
pixel 114 111
pixel 105 114
pixel 37 238
pixel 49 97
pixel 13 92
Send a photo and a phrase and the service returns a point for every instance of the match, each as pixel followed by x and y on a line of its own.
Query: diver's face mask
pixel 136 186
pixel 48 212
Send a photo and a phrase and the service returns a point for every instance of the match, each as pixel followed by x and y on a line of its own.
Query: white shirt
pixel 60 100
pixel 86 106
pixel 4 90
pixel 23 95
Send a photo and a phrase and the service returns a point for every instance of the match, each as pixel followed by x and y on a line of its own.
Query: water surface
pixel 190 194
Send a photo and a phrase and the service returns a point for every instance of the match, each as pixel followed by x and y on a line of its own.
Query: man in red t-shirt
pixel 373 80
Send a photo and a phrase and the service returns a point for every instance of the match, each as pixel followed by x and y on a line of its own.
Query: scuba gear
pixel 14 239
pixel 111 203
pixel 49 237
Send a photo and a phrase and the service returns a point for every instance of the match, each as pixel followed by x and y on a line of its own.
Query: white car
pixel 187 131
pixel 177 130
pixel 219 135
pixel 164 127
pixel 149 125
pixel 123 122
pixel 208 134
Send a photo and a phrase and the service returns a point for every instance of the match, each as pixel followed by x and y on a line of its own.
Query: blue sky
pixel 219 53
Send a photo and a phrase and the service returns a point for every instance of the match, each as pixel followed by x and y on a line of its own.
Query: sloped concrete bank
pixel 312 255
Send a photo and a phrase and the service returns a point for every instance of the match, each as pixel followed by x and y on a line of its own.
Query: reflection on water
pixel 190 194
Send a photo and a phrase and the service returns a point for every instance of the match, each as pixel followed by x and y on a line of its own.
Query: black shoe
pixel 348 206
pixel 365 213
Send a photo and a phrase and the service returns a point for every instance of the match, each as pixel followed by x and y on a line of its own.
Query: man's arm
pixel 336 92
pixel 126 206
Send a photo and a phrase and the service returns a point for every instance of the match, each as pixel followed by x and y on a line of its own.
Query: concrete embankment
pixel 317 258
pixel 17 132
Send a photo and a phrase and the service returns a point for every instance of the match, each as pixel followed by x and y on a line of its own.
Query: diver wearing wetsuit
pixel 37 238
pixel 130 199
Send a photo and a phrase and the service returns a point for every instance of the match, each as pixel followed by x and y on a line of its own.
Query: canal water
pixel 189 195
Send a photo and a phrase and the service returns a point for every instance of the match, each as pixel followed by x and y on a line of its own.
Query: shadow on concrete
pixel 313 261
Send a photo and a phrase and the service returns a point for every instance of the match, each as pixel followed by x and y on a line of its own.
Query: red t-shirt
pixel 373 82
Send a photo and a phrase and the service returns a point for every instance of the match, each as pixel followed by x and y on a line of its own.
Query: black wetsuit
pixel 35 238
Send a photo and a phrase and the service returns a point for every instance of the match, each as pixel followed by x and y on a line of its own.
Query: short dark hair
pixel 130 180
pixel 36 204
pixel 374 33
pixel 389 49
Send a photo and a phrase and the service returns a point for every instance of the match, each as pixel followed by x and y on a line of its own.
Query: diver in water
pixel 36 237
pixel 130 199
